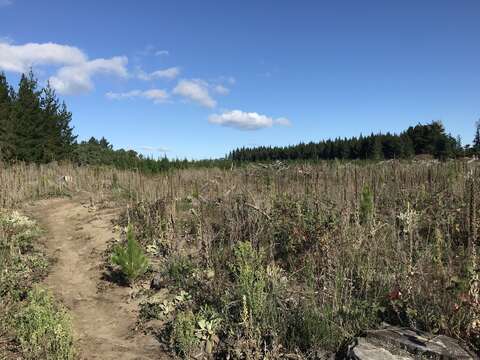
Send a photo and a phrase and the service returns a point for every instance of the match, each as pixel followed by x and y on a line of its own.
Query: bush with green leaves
pixel 183 333
pixel 43 328
pixel 251 285
pixel 195 332
pixel 130 258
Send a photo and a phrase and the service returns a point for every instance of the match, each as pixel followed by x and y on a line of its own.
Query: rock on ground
pixel 395 343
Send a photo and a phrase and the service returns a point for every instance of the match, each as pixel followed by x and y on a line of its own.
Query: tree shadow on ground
pixel 114 276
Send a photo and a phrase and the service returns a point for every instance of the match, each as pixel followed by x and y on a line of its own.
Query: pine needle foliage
pixel 366 206
pixel 130 258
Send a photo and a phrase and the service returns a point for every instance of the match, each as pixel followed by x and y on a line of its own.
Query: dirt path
pixel 103 320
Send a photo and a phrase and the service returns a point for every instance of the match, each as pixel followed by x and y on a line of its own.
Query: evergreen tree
pixel 65 130
pixel 26 117
pixel 421 139
pixel 375 151
pixel 7 96
pixel 476 140
pixel 59 139
pixel 50 108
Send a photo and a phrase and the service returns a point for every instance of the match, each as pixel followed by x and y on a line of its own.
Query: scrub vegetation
pixel 269 260
pixel 32 322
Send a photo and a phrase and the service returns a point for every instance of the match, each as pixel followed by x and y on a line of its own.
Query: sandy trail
pixel 103 320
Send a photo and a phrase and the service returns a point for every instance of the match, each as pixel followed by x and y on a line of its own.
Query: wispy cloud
pixel 246 120
pixel 154 149
pixel 169 73
pixel 150 49
pixel 196 90
pixel 230 80
pixel 156 95
pixel 162 53
pixel 220 89
pixel 75 71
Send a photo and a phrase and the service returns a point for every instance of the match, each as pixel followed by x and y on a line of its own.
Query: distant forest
pixel 430 139
pixel 35 127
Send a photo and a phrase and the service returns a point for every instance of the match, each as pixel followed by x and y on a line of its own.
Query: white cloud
pixel 246 120
pixel 75 73
pixel 170 73
pixel 151 49
pixel 19 58
pixel 195 90
pixel 220 89
pixel 162 52
pixel 125 95
pixel 77 79
pixel 283 122
pixel 156 95
pixel 154 149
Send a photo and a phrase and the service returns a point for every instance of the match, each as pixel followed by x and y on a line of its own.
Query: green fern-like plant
pixel 131 259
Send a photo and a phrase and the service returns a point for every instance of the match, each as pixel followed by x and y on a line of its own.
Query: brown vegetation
pixel 262 261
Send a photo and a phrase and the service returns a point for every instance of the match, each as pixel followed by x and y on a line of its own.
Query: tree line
pixel 35 127
pixel 430 139
pixel 100 152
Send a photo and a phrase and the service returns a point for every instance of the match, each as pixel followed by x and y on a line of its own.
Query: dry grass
pixel 300 258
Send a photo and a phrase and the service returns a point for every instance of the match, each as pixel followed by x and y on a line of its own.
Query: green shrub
pixel 42 328
pixel 250 279
pixel 311 327
pixel 131 259
pixel 183 333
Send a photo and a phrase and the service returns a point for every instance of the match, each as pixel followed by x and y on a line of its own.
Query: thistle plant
pixel 131 259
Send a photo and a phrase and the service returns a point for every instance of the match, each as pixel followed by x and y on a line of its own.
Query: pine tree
pixel 59 140
pixel 6 130
pixel 68 139
pixel 26 116
pixel 376 152
pixel 476 140
pixel 50 109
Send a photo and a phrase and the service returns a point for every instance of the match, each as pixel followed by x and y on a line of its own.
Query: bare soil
pixel 104 314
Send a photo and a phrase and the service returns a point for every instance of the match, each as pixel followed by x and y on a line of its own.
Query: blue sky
pixel 199 78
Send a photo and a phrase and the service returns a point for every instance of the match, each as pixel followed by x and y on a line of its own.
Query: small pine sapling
pixel 131 259
pixel 366 206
